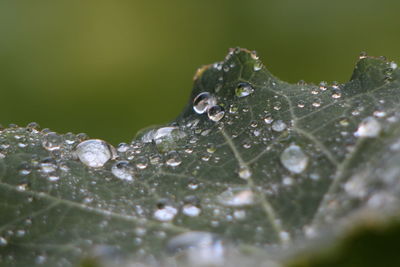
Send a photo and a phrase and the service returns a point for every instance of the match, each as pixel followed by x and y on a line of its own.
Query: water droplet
pixel 123 170
pixel 141 163
pixel 239 214
pixel 165 213
pixel 51 141
pixel 216 113
pixel 244 89
pixel 323 86
pixel 268 119
pixel 3 241
pixel 203 101
pixel 236 197
pixel 369 127
pixel 200 248
pixel 300 104
pixel 363 54
pixel 294 159
pixel 336 93
pixel 191 210
pixel 173 159
pixel 244 172
pixel 94 152
pixel 278 126
pixel 257 65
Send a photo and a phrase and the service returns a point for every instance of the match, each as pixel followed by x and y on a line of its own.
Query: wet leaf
pixel 256 164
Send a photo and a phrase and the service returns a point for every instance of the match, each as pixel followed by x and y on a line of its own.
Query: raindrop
pixel 123 170
pixel 294 159
pixel 279 126
pixel 94 152
pixel 363 54
pixel 203 101
pixel 216 113
pixel 257 65
pixel 369 127
pixel 244 89
pixel 236 197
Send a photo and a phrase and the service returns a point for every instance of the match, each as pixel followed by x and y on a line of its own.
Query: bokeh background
pixel 110 68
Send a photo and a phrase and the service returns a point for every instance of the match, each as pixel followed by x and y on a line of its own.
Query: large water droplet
pixel 94 152
pixel 123 170
pixel 191 210
pixel 203 101
pixel 216 113
pixel 244 89
pixel 369 127
pixel 173 159
pixel 200 248
pixel 294 159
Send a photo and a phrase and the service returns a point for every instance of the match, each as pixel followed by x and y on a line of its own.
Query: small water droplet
pixel 123 170
pixel 203 101
pixel 278 126
pixel 369 127
pixel 362 55
pixel 173 159
pixel 165 213
pixel 294 159
pixel 51 141
pixel 3 242
pixel 141 163
pixel 191 210
pixel 244 172
pixel 94 152
pixel 244 89
pixel 216 113
pixel 236 197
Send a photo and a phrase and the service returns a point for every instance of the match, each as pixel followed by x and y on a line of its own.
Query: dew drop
pixel 294 159
pixel 369 127
pixel 244 89
pixel 141 163
pixel 123 170
pixel 200 248
pixel 165 213
pixel 191 210
pixel 203 101
pixel 236 197
pixel 173 159
pixel 94 152
pixel 216 113
pixel 244 172
pixel 51 141
pixel 3 241
pixel 278 126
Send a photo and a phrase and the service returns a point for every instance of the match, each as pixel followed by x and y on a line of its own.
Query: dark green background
pixel 110 68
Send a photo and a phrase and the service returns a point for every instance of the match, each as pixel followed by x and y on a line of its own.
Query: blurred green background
pixel 110 68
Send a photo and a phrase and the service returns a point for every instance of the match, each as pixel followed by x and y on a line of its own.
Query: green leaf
pixel 284 164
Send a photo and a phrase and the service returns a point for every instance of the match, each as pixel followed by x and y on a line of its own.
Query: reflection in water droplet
pixel 244 89
pixel 216 113
pixel 369 127
pixel 203 101
pixel 94 152
pixel 294 159
pixel 278 126
pixel 123 170
pixel 236 197
pixel 200 248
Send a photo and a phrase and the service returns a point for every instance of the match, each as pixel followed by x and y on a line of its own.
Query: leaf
pixel 284 164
